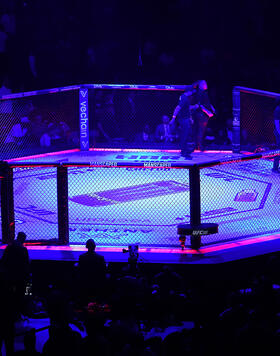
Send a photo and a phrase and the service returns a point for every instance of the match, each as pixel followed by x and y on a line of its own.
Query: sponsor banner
pixel 83 113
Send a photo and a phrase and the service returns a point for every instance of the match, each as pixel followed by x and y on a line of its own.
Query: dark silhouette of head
pixel 277 101
pixel 21 237
pixel 147 129
pixel 200 85
pixel 165 119
pixel 188 88
pixel 90 245
pixel 24 122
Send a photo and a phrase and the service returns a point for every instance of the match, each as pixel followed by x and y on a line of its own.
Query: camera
pixel 133 251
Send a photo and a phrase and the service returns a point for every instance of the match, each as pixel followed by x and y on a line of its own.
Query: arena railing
pixel 48 201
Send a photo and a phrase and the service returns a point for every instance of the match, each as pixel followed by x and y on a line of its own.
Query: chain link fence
pixel 122 206
pixel 133 118
pixel 123 203
pixel 35 202
pixel 242 197
pixel 1 204
pixel 256 119
pixel 39 123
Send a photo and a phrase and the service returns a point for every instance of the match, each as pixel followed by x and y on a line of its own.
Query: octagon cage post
pixel 7 203
pixel 236 120
pixel 195 208
pixel 195 229
pixel 62 205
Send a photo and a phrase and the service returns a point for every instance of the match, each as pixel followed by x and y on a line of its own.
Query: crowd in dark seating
pixel 49 44
pixel 130 309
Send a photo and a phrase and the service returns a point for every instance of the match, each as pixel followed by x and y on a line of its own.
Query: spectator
pixel 19 133
pixel 108 127
pixel 175 344
pixel 165 132
pixel 15 264
pixel 145 136
pixel 29 345
pixel 96 342
pixel 7 314
pixel 65 132
pixel 6 109
pixel 3 51
pixel 9 23
pixel 168 280
pixel 224 134
pixel 53 137
pixel 62 339
pixel 4 90
pixel 91 272
pixel 39 128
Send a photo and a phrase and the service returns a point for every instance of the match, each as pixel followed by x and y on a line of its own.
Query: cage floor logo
pixel 130 193
pixel 144 157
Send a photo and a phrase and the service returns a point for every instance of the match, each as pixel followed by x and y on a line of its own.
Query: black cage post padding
pixel 202 229
pixel 62 205
pixel 194 175
pixel 195 229
pixel 236 120
pixel 195 204
pixel 7 203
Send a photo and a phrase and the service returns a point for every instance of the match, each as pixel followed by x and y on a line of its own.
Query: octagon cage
pixel 87 161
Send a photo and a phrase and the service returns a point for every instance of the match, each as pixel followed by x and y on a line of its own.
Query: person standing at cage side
pixel 91 272
pixel 276 115
pixel 202 113
pixel 183 112
pixel 16 269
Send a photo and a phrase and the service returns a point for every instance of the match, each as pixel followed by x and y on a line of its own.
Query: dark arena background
pixel 86 93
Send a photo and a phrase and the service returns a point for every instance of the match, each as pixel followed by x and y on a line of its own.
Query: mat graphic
pixel 132 193
pixel 246 195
